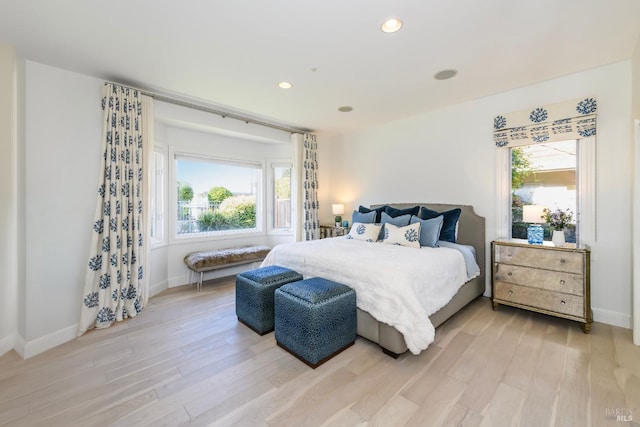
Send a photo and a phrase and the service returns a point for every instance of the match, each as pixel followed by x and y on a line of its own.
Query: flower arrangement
pixel 558 219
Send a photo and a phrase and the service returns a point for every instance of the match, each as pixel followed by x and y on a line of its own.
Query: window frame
pixel 157 197
pixel 174 237
pixel 278 163
pixel 586 221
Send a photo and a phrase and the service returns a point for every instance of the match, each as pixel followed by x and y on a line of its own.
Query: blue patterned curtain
pixel 116 286
pixel 557 122
pixel 310 204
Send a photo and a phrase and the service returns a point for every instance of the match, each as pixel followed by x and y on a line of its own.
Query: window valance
pixel 557 122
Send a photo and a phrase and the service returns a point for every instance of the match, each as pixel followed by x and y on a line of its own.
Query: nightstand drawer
pixel 569 283
pixel 556 302
pixel 570 262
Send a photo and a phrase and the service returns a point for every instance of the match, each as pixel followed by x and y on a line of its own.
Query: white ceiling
pixel 232 53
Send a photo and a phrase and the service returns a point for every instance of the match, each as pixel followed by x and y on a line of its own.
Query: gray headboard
pixel 471 227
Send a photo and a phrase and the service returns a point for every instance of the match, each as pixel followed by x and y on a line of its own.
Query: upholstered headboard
pixel 471 227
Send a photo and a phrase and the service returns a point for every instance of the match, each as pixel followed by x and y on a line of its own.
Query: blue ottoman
pixel 315 319
pixel 254 295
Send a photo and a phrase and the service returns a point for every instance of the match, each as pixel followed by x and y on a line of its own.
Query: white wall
pixel 61 166
pixel 8 202
pixel 448 156
pixel 635 93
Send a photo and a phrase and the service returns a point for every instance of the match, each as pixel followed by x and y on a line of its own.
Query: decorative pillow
pixel 363 218
pixel 400 221
pixel 449 224
pixel 367 232
pixel 378 211
pixel 397 212
pixel 405 236
pixel 429 230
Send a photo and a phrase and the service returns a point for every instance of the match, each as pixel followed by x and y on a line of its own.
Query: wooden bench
pixel 202 261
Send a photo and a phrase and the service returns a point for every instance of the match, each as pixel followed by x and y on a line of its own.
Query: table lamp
pixel 534 215
pixel 338 209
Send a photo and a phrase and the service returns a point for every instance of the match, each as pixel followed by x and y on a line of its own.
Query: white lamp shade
pixel 533 214
pixel 337 209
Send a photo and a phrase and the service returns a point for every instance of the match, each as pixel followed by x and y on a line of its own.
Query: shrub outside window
pixel 217 196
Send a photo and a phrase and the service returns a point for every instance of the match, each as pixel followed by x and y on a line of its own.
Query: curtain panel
pixel 116 284
pixel 305 148
pixel 557 122
pixel 310 187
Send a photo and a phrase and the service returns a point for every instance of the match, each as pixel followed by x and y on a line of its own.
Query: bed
pixel 395 322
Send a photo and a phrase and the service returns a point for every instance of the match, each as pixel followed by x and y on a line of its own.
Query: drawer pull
pixel 510 274
pixel 562 302
pixel 510 292
pixel 562 261
pixel 562 281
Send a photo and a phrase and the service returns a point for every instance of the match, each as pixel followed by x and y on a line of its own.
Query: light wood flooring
pixel 187 361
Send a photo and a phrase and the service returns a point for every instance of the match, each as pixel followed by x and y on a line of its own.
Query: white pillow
pixel 405 236
pixel 366 232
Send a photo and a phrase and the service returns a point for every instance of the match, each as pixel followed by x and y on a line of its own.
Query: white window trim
pixel 175 238
pixel 158 243
pixel 586 176
pixel 274 163
pixel 636 240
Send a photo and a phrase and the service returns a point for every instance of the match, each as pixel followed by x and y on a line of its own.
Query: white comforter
pixel 397 285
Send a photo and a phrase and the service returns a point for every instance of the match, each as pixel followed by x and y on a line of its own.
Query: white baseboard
pixel 6 344
pixel 19 345
pixel 214 274
pixel 47 342
pixel 156 288
pixel 611 318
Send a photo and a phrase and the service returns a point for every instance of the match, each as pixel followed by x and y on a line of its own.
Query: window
pixel 585 217
pixel 217 196
pixel 281 197
pixel 544 175
pixel 157 197
pixel 541 127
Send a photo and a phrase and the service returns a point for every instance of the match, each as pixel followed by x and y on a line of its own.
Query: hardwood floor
pixel 187 361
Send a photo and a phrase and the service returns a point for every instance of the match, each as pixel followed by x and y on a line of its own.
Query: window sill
pixel 209 237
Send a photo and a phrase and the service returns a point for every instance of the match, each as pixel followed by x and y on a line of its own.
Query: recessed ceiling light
pixel 391 25
pixel 445 74
pixel 345 109
pixel 284 85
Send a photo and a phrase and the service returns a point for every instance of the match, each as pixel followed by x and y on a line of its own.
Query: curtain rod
pixel 221 113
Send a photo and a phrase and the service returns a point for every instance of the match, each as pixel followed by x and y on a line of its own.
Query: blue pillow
pixel 378 211
pixel 398 212
pixel 400 221
pixel 364 218
pixel 429 230
pixel 448 232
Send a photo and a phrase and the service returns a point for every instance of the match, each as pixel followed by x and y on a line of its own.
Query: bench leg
pixel 200 281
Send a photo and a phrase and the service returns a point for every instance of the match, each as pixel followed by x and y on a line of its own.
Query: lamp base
pixel 535 234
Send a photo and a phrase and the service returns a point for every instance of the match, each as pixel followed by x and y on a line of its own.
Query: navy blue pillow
pixel 378 212
pixel 448 232
pixel 393 212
